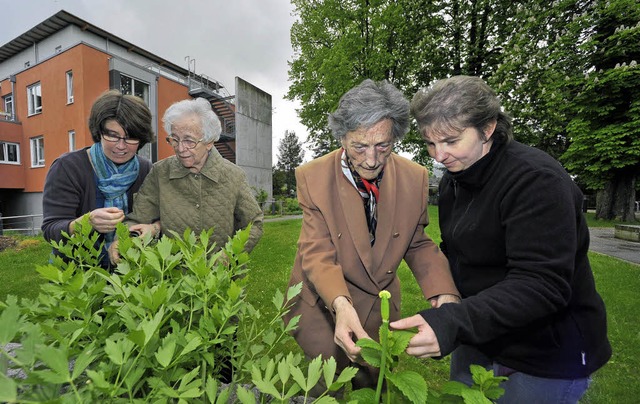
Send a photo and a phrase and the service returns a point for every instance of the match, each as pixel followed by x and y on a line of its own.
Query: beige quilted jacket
pixel 218 196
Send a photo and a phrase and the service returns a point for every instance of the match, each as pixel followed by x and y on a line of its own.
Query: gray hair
pixel 211 127
pixel 367 104
pixel 460 102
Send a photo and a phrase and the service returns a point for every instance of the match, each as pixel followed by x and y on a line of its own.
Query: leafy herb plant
pixel 160 328
pixel 409 386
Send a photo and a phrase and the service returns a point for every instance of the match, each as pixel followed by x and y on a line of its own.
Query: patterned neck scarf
pixel 113 180
pixel 369 191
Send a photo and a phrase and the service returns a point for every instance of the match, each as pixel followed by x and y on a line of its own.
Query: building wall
pixel 254 134
pixel 12 176
pixel 90 77
pixel 93 59
pixel 168 92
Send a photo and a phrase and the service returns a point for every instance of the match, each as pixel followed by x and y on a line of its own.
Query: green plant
pixel 261 195
pixel 291 206
pixel 283 379
pixel 409 385
pixel 159 328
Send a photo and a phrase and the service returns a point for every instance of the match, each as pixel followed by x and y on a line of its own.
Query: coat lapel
pixel 353 210
pixel 386 211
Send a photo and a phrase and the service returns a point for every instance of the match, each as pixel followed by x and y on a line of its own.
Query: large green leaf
pixel 9 321
pixel 411 385
pixel 8 389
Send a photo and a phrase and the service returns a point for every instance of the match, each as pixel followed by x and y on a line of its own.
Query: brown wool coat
pixel 335 257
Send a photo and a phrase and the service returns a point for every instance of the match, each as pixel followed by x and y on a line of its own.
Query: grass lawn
pixel 617 281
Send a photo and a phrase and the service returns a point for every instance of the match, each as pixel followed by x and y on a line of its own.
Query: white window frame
pixel 34 98
pixel 69 76
pixel 72 140
pixel 8 106
pixel 37 151
pixel 4 158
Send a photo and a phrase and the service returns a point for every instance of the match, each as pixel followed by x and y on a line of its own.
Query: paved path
pixel 602 241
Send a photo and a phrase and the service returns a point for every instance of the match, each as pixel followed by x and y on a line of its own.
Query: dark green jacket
pixel 218 196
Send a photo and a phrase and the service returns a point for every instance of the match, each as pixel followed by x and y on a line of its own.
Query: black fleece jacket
pixel 517 241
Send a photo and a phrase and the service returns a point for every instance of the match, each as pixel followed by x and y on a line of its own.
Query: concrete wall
pixel 254 134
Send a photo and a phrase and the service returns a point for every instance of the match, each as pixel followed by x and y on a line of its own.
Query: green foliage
pixel 284 379
pixel 409 385
pixel 290 156
pixel 605 128
pixel 291 206
pixel 159 328
pixel 567 71
pixel 409 42
pixel 261 195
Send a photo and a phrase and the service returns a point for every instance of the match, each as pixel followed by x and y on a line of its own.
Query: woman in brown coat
pixel 364 210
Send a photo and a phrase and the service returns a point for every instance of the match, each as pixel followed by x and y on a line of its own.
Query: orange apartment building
pixel 49 78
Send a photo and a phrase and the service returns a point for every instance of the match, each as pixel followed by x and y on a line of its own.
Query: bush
pixel 291 206
pixel 160 327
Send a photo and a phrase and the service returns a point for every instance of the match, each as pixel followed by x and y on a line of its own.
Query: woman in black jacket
pixel 517 241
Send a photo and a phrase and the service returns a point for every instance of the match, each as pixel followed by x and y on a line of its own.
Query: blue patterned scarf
pixel 113 180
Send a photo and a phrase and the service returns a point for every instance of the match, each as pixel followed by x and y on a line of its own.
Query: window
pixel 69 87
pixel 9 153
pixel 37 151
pixel 8 107
pixel 129 85
pixel 72 140
pixel 34 98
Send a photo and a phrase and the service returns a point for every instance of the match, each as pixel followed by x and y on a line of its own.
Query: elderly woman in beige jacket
pixel 197 188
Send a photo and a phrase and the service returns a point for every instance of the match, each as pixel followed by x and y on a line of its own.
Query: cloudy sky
pixel 227 38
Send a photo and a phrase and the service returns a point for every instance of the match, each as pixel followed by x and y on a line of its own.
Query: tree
pixel 290 156
pixel 535 53
pixel 339 43
pixel 605 129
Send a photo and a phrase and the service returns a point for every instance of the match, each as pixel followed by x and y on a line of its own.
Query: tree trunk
pixel 617 199
pixel 604 202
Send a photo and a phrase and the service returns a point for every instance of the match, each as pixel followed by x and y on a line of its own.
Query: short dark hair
pixel 460 102
pixel 367 104
pixel 128 111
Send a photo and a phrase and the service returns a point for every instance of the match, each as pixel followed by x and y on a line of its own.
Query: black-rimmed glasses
pixel 186 143
pixel 113 138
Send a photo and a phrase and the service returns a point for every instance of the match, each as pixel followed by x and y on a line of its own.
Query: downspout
pixel 12 79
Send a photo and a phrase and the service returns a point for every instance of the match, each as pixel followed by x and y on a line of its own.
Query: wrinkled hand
pixel 442 299
pixel 347 327
pixel 143 229
pixel 114 255
pixel 104 220
pixel 425 343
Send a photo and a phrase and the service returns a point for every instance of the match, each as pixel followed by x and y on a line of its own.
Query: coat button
pixel 389 271
pixel 197 206
pixel 396 235
pixel 339 235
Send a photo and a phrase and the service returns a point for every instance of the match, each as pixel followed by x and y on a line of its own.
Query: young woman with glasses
pixel 99 181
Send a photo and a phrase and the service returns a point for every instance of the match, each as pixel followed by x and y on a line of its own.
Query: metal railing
pixel 25 224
